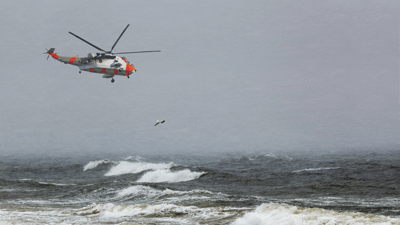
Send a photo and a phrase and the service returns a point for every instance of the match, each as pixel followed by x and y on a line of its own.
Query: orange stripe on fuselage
pixel 91 70
pixel 54 55
pixel 115 72
pixel 71 61
pixel 103 70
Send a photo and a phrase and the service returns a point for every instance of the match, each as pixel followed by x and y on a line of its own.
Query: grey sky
pixel 232 76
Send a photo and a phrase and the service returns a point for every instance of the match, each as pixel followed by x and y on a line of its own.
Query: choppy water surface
pixel 262 188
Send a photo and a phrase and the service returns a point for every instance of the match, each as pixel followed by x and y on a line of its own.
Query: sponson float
pixel 104 63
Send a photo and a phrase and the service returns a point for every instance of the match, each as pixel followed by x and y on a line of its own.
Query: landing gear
pixel 80 71
pixel 112 80
pixel 127 76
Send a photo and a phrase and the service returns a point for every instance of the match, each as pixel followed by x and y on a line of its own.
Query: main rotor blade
pixel 87 42
pixel 137 52
pixel 119 38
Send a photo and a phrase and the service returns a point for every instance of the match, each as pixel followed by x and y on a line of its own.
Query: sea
pixel 239 188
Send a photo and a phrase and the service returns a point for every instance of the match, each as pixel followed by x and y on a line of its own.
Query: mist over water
pixel 276 112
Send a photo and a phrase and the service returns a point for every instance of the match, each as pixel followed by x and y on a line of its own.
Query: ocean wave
pixel 148 192
pixel 94 164
pixel 164 210
pixel 275 214
pixel 135 158
pixel 125 167
pixel 315 169
pixel 272 155
pixel 168 176
pixel 55 184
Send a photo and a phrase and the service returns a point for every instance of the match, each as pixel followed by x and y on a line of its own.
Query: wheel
pixel 128 76
pixel 80 71
pixel 112 80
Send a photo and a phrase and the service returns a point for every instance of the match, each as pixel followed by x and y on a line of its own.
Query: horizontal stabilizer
pixel 51 50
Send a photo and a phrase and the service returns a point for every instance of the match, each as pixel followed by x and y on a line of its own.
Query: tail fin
pixel 51 53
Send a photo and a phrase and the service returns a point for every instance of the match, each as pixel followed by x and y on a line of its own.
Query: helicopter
pixel 104 63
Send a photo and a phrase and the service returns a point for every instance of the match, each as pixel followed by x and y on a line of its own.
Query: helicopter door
pixel 100 62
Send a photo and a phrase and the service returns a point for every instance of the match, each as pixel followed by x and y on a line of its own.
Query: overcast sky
pixel 232 76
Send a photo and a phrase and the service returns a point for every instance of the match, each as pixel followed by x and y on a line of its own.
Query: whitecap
pixel 125 167
pixel 273 214
pixel 148 192
pixel 316 169
pixel 134 158
pixel 168 176
pixel 272 155
pixel 55 184
pixel 156 211
pixel 139 190
pixel 94 164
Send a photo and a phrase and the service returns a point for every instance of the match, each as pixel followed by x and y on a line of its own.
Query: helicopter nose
pixel 130 68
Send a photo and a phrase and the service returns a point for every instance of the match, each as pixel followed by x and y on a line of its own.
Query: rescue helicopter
pixel 104 63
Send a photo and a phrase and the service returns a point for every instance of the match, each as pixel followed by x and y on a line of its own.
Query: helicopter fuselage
pixel 107 64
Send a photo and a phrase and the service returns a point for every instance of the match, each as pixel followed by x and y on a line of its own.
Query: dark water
pixel 234 188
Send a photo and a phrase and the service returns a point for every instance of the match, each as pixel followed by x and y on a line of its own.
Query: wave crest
pixel 316 169
pixel 125 167
pixel 94 164
pixel 168 176
pixel 170 211
pixel 148 192
pixel 270 213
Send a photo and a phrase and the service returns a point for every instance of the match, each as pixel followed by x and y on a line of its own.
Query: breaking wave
pixel 135 158
pixel 171 211
pixel 154 172
pixel 272 214
pixel 55 184
pixel 125 167
pixel 148 192
pixel 169 176
pixel 316 169
pixel 94 164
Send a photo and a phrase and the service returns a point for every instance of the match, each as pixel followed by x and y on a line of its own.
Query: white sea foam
pixel 134 158
pixel 56 184
pixel 148 192
pixel 94 164
pixel 125 167
pixel 272 155
pixel 169 176
pixel 316 169
pixel 156 211
pixel 275 214
pixel 139 190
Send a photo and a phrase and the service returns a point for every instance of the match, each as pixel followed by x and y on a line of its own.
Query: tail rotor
pixel 46 53
pixel 50 52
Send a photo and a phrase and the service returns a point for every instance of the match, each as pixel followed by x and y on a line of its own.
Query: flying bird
pixel 159 121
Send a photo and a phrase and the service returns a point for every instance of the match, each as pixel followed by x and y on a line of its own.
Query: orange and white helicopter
pixel 104 63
